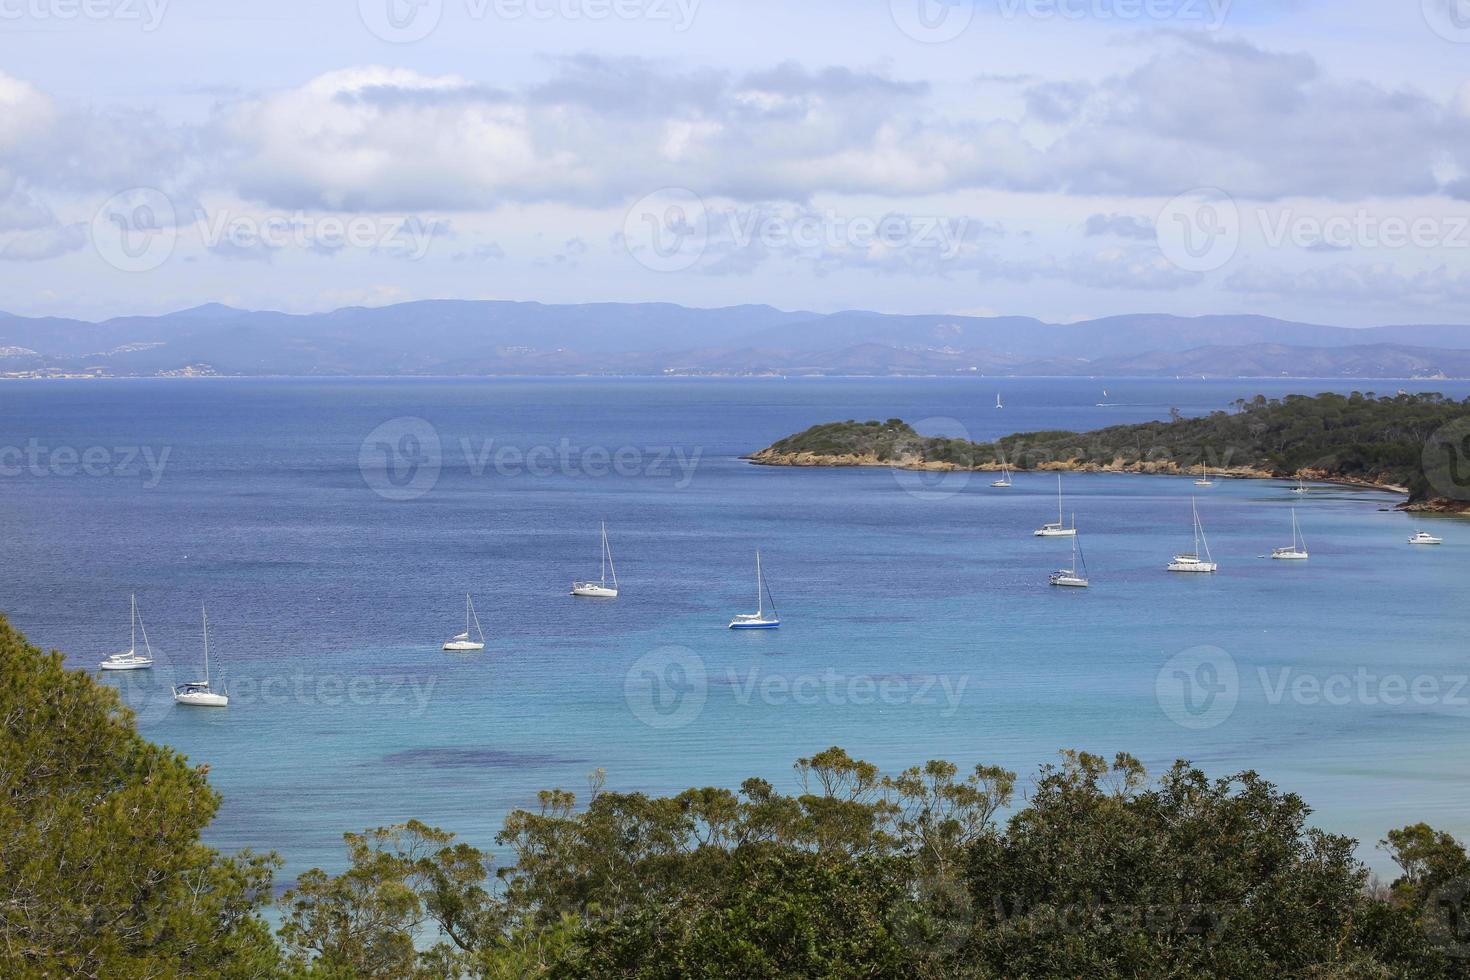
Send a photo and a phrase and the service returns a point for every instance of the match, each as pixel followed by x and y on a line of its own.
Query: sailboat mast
pixel 759 591
pixel 204 616
pixel 602 556
pixel 133 626
pixel 1059 500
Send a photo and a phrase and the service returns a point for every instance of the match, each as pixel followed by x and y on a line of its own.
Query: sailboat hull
pixel 754 624
pixel 202 699
pixel 1056 532
pixel 1069 581
pixel 594 590
pixel 463 646
pixel 139 664
pixel 1192 565
pixel 1289 555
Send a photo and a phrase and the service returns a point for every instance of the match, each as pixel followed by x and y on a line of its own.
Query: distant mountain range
pixel 492 337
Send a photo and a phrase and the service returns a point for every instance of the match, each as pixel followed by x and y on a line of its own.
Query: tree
pixel 101 868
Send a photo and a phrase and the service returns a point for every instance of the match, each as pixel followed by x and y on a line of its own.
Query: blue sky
pixel 1057 158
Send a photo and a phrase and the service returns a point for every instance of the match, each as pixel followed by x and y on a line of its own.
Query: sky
pixel 1064 159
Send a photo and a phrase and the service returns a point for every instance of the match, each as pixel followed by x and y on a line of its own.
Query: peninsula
pixel 1414 444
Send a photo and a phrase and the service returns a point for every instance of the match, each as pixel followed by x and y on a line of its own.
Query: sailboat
pixel 600 589
pixel 198 693
pixel 131 659
pixel 1073 577
pixel 1204 477
pixel 1192 562
pixel 998 402
pixel 1298 549
pixel 760 619
pixel 1300 488
pixel 462 643
pixel 1057 530
pixel 1005 476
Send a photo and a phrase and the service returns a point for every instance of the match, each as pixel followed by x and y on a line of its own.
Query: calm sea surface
pixel 333 529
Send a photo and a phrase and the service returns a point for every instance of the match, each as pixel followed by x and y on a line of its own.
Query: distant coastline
pixel 1378 444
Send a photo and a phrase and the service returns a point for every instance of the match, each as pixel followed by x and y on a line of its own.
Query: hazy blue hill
pixel 505 337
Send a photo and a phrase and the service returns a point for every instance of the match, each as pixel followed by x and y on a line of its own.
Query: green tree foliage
pixel 101 869
pixel 1355 437
pixel 929 873
pixel 1102 873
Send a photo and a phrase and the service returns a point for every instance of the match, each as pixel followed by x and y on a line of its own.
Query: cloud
pixel 1120 226
pixel 39 244
pixel 1367 283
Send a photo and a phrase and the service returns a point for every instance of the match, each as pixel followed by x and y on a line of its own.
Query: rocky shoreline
pixel 1435 505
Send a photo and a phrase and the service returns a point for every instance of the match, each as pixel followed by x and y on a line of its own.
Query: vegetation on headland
pixel 1358 438
pixel 1100 872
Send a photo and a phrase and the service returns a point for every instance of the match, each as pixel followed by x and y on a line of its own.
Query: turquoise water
pixel 918 622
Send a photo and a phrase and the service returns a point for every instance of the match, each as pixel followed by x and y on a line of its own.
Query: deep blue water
pixel 918 621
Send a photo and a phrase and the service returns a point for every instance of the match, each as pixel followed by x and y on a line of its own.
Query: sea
pixel 331 529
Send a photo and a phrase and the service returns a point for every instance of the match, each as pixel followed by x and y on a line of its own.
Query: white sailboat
pixel 760 619
pixel 1204 477
pixel 1301 487
pixel 462 643
pixel 600 589
pixel 1424 537
pixel 1005 476
pixel 1057 530
pixel 1073 578
pixel 131 659
pixel 1194 561
pixel 1298 548
pixel 998 402
pixel 198 693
